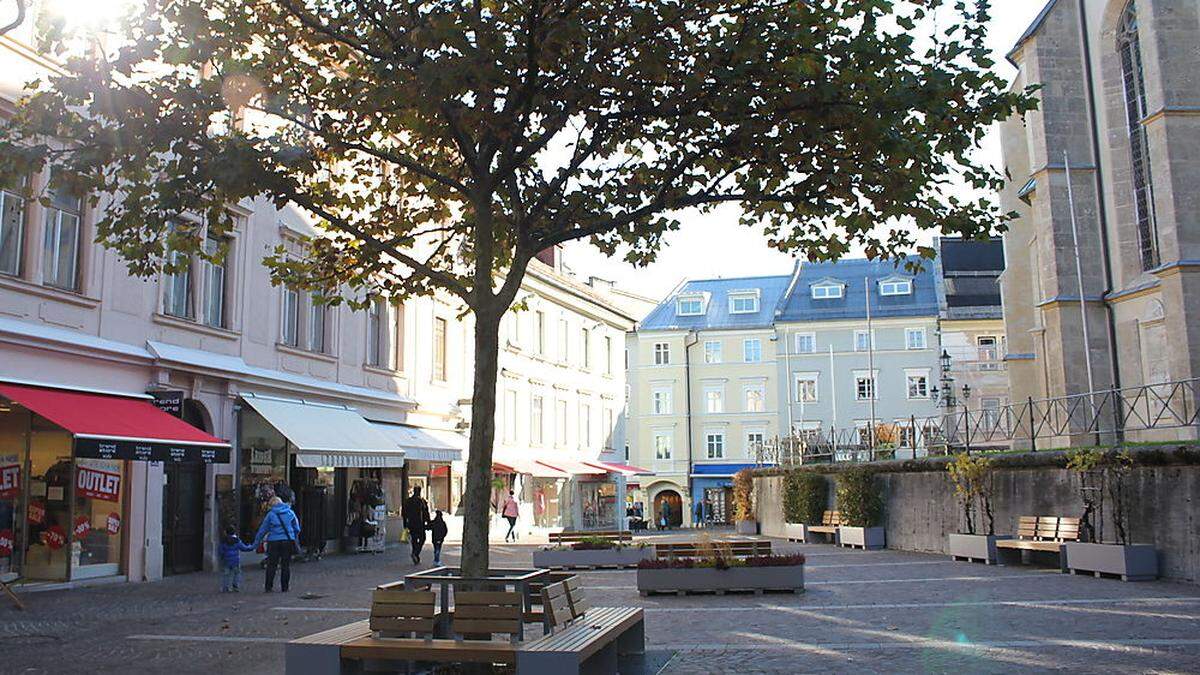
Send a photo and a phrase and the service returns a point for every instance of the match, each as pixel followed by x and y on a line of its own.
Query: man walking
pixel 416 519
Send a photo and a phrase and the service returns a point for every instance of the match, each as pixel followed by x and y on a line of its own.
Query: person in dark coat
pixel 416 519
pixel 437 535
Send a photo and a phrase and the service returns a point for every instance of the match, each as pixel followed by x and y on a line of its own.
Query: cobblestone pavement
pixel 864 611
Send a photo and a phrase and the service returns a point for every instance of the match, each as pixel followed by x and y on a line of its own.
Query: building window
pixel 752 350
pixel 914 338
pixel 689 305
pixel 826 291
pixel 564 341
pixel 540 329
pixel 608 428
pixel 989 352
pixel 289 332
pixel 917 384
pixel 714 444
pixel 863 341
pixel 439 349
pixel 806 387
pixel 177 286
pixel 560 422
pixel 60 261
pixel 12 226
pixel 376 339
pixel 990 413
pixel 586 346
pixel 585 426
pixel 755 440
pixel 608 355
pixel 864 385
pixel 906 435
pixel 744 302
pixel 1130 51
pixel 712 351
pixel 318 317
pixel 661 401
pixel 662 354
pixel 510 416
pixel 895 287
pixel 536 404
pixel 514 330
pixel 756 397
pixel 213 274
pixel 662 445
pixel 806 343
pixel 714 399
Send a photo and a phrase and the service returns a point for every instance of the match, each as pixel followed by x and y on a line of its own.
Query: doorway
pixel 183 517
pixel 668 504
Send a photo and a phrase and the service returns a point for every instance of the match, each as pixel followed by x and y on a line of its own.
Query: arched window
pixel 1130 51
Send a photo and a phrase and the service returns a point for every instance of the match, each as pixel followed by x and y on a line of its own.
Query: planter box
pixel 795 532
pixel 629 556
pixel 867 538
pixel 1132 562
pixel 757 579
pixel 975 547
pixel 746 527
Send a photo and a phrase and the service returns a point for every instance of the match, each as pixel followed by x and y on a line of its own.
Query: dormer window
pixel 689 305
pixel 895 286
pixel 743 302
pixel 827 291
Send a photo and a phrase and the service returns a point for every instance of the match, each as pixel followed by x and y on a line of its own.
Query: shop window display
pixel 14 425
pixel 263 466
pixel 599 505
pixel 547 502
pixel 97 528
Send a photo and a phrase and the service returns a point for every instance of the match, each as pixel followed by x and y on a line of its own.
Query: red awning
pixel 624 469
pixel 570 466
pixel 533 468
pixel 118 427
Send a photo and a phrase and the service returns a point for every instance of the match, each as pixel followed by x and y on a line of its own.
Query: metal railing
pixel 1165 411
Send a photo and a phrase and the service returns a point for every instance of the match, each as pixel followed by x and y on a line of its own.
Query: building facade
pixel 1104 176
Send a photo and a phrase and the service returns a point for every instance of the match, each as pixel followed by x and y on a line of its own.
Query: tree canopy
pixel 441 144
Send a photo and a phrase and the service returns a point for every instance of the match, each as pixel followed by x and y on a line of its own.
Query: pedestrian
pixel 280 529
pixel 699 514
pixel 510 512
pixel 665 510
pixel 437 535
pixel 416 519
pixel 231 560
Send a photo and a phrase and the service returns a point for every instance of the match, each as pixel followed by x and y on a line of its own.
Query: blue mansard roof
pixel 799 304
pixel 714 294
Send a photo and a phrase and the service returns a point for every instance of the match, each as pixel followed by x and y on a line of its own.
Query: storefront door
pixel 183 517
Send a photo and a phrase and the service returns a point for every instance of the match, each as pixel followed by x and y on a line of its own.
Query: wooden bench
pixel 618 536
pixel 1039 533
pixel 583 637
pixel 830 522
pixel 737 549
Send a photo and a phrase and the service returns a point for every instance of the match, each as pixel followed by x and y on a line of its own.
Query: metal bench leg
pixel 306 659
pixel 633 640
pixel 603 662
pixel 546 663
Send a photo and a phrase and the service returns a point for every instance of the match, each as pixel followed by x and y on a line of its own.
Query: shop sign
pixel 6 543
pixel 10 481
pixel 149 451
pixel 83 525
pixel 170 402
pixel 98 484
pixel 36 513
pixel 113 524
pixel 54 537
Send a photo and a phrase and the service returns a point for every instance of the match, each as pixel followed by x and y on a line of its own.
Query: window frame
pixel 894 287
pixel 52 261
pixel 662 353
pixel 289 318
pixel 746 353
pixel 689 298
pixel 20 194
pixel 870 376
pixel 810 336
pixel 537 418
pixel 752 296
pixel 668 445
pixel 758 388
pixel 827 291
pixel 871 343
pixel 813 377
pixel 665 398
pixel 714 443
pixel 908 342
pixel 719 390
pixel 441 348
pixel 909 376
pixel 713 356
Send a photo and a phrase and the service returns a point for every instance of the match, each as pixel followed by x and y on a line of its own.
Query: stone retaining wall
pixel 921 510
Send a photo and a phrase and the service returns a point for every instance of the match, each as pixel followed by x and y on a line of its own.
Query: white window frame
pixel 585 426
pixel 709 390
pixel 754 437
pixel 289 315
pixel 873 376
pixel 663 442
pixel 759 388
pixel 714 443
pixel 560 423
pixel 857 345
pixel 662 353
pixel 585 338
pixel 813 377
pixel 827 291
pixel 660 395
pixel 15 193
pixel 537 419
pixel 316 323
pixel 564 341
pixel 58 219
pixel 894 287
pixel 910 375
pixel 539 326
pixel 608 355
pixel 712 351
pixel 909 333
pixel 510 415
pixel 441 350
pixel 812 340
pixel 735 297
pixel 688 300
pixel 757 355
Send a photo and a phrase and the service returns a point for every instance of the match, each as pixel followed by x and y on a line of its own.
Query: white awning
pixel 434 445
pixel 326 435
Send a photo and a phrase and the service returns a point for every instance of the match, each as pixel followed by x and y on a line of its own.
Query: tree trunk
pixel 477 497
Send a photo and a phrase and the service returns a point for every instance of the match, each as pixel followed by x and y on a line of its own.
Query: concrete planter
pixel 868 538
pixel 1132 562
pixel 708 579
pixel 611 557
pixel 975 547
pixel 746 527
pixel 795 532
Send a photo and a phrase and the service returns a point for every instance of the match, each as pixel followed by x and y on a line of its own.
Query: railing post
pixel 1032 430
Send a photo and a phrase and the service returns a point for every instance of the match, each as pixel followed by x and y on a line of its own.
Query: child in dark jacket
pixel 231 561
pixel 437 534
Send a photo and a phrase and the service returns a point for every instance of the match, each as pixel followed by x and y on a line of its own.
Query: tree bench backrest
pixel 398 613
pixel 1048 528
pixel 563 602
pixel 487 613
pixel 831 518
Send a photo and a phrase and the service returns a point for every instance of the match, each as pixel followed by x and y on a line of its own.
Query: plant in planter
pixel 743 502
pixel 1099 473
pixel 591 552
pixel 718 573
pixel 973 486
pixel 861 506
pixel 805 495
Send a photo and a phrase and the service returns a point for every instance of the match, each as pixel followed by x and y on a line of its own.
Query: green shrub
pixel 805 495
pixel 858 497
pixel 743 495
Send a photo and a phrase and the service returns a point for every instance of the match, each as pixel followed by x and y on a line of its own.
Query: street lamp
pixel 966 393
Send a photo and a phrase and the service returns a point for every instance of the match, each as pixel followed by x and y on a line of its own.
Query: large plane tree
pixel 439 145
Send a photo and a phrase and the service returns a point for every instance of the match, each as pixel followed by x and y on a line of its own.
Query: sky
pixel 715 245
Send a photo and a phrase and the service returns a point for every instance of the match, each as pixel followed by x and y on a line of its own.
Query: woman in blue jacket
pixel 280 528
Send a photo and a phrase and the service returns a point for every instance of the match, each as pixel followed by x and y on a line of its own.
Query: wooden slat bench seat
pixel 737 549
pixel 584 637
pixel 1039 533
pixel 830 522
pixel 618 536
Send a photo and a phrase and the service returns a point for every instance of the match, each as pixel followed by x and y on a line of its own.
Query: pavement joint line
pixel 1034 602
pixel 1118 644
pixel 209 638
